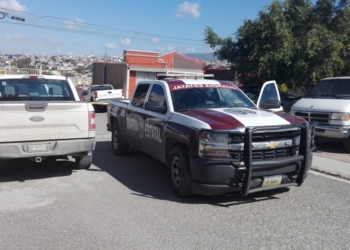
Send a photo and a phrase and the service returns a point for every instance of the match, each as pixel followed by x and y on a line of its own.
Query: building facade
pixel 143 65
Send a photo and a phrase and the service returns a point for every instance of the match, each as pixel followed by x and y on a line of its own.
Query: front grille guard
pixel 306 145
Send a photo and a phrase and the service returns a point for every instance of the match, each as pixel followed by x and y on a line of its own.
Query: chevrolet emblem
pixel 272 144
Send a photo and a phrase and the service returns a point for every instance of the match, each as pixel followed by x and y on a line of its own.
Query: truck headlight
pixel 340 116
pixel 213 144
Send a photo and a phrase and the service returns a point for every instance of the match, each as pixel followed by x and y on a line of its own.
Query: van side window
pixel 157 95
pixel 140 95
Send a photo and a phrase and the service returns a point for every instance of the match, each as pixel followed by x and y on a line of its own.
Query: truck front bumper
pixel 332 131
pixel 46 148
pixel 217 178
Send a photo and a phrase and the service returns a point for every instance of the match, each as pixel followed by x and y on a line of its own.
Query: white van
pixel 328 104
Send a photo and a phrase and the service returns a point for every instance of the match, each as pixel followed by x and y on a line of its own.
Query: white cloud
pixel 73 25
pixel 167 49
pixel 13 5
pixel 188 9
pixel 14 38
pixel 191 50
pixel 154 40
pixel 69 25
pixel 52 41
pixel 59 52
pixel 69 53
pixel 109 46
pixel 125 42
pixel 171 48
pixel 80 21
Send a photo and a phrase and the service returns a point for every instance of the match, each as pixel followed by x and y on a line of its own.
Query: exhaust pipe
pixel 37 159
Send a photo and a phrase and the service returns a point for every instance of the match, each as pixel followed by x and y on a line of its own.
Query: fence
pixel 19 71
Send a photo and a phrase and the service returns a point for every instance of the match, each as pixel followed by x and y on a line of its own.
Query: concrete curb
pixel 331 167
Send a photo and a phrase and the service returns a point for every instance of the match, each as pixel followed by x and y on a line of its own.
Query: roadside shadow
pixel 330 146
pixel 148 178
pixel 22 170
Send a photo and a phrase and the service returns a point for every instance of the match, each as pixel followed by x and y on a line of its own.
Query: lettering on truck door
pixel 135 129
pixel 155 122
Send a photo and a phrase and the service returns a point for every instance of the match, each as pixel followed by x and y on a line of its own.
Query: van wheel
pixel 180 171
pixel 346 143
pixel 83 162
pixel 119 146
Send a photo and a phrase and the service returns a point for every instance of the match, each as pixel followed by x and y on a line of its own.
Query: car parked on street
pixel 42 118
pixel 82 93
pixel 328 104
pixel 212 137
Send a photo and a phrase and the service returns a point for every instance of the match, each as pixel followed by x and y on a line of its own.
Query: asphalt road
pixel 126 203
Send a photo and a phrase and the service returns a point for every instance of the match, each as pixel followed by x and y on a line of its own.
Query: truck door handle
pixel 35 107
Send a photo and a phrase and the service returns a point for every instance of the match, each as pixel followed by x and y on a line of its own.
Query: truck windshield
pixel 332 88
pixel 193 98
pixel 26 89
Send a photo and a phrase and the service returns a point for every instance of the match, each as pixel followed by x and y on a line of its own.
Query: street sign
pixel 18 18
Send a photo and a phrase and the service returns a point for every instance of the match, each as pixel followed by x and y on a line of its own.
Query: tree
pixel 23 63
pixel 295 42
pixel 80 70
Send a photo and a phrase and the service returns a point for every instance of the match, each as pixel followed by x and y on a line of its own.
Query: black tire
pixel 83 162
pixel 180 171
pixel 346 143
pixel 119 146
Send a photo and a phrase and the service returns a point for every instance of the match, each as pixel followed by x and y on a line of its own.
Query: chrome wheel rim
pixel 176 172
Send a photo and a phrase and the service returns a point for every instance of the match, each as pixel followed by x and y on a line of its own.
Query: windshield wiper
pixel 318 96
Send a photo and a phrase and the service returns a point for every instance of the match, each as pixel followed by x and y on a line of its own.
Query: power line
pixel 95 33
pixel 106 27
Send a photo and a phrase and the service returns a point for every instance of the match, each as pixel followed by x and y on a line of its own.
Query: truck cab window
pixel 157 95
pixel 140 95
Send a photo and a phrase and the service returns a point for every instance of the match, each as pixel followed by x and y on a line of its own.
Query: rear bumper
pixel 100 102
pixel 53 148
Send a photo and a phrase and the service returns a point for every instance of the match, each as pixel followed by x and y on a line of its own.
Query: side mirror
pixel 271 104
pixel 155 107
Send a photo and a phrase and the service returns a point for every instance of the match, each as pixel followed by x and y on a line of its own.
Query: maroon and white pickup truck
pixel 212 137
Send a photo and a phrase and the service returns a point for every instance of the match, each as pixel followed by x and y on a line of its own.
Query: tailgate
pixel 37 121
pixel 109 94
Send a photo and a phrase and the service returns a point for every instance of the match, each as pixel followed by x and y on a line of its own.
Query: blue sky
pixel 90 27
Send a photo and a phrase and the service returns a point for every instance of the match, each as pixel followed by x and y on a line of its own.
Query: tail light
pixel 33 77
pixel 92 121
pixel 96 95
pixel 123 92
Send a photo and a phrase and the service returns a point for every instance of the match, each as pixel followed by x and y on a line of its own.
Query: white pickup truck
pixel 212 137
pixel 42 118
pixel 99 95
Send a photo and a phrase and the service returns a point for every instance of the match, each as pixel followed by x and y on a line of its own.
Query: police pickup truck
pixel 212 137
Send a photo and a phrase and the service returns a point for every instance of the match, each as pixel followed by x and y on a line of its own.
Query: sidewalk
pixel 332 167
